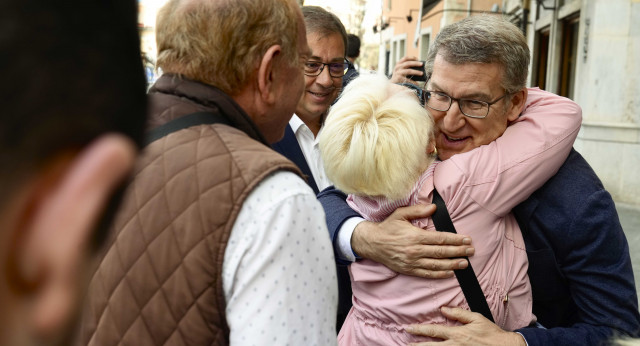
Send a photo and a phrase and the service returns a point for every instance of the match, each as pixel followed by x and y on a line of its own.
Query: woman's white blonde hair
pixel 375 138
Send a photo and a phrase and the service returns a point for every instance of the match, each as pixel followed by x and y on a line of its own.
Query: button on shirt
pixel 279 275
pixel 309 146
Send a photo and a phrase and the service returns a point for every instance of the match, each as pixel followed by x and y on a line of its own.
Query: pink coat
pixel 480 188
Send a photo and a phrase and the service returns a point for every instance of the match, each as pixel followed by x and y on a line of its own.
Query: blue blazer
pixel 579 264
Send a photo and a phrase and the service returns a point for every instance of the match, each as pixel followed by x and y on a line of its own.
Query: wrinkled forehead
pixel 466 79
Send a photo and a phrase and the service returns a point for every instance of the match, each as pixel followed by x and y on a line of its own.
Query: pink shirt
pixel 480 188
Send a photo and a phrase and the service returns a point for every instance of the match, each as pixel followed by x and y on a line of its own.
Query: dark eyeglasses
pixel 336 69
pixel 477 109
pixel 417 90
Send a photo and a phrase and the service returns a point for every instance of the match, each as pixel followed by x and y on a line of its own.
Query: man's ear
pixel 267 74
pixel 52 238
pixel 516 107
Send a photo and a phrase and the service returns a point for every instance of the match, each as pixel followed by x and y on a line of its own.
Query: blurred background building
pixel 587 50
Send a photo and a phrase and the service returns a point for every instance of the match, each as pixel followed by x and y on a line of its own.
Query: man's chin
pixel 447 148
pixel 445 154
pixel 320 106
pixel 313 112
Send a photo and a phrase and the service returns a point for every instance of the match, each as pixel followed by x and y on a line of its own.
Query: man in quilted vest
pixel 73 114
pixel 219 241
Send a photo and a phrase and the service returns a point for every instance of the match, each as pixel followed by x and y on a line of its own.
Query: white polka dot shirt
pixel 279 273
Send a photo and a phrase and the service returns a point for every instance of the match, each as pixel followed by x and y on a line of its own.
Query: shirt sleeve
pixel 339 217
pixel 279 275
pixel 344 251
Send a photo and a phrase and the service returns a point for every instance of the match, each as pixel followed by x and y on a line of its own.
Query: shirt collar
pixel 295 123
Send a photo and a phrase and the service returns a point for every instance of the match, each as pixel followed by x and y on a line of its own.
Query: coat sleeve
pixel 592 258
pixel 337 211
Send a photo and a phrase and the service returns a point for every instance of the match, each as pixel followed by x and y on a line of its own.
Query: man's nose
pixel 324 78
pixel 453 118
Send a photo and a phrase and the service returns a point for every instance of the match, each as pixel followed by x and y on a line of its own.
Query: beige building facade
pixel 589 51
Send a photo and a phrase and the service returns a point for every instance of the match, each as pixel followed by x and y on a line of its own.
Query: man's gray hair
pixel 484 39
pixel 221 43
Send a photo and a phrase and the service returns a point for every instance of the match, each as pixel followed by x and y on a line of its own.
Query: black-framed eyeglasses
pixel 336 69
pixel 416 89
pixel 477 109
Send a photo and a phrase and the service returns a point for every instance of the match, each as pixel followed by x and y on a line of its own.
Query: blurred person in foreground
pixel 73 114
pixel 579 266
pixel 219 241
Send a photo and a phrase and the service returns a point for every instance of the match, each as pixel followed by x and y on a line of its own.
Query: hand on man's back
pixel 410 250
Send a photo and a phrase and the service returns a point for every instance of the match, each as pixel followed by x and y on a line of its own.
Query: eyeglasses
pixel 419 92
pixel 336 69
pixel 471 108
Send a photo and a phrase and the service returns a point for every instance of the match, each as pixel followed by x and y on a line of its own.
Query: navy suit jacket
pixel 289 147
pixel 351 74
pixel 579 264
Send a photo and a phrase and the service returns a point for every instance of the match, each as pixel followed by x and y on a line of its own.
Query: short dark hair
pixel 71 71
pixel 318 20
pixel 353 46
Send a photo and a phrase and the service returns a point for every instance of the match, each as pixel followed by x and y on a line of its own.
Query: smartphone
pixel 420 68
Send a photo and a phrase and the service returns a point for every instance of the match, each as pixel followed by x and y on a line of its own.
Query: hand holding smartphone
pixel 420 68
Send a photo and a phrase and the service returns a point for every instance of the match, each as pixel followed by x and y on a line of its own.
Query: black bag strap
pixel 466 277
pixel 183 122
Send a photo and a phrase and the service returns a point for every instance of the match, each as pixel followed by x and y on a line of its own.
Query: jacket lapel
pixel 290 148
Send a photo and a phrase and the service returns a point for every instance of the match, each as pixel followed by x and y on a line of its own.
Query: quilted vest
pixel 159 281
